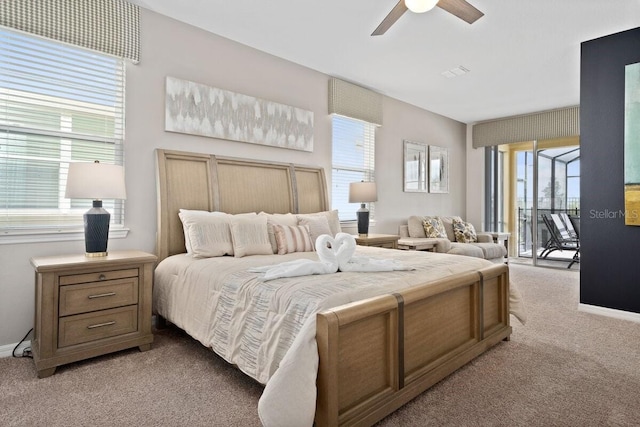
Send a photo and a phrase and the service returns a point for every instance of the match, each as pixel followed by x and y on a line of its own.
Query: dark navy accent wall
pixel 609 249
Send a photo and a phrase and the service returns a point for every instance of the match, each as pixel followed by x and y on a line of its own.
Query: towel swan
pixel 335 254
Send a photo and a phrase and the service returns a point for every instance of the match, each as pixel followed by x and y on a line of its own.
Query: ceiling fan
pixel 459 8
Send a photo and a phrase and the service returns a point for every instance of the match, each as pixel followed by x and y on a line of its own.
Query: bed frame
pixel 375 354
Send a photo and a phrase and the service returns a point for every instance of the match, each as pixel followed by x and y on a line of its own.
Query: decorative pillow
pixel 465 232
pixel 332 218
pixel 415 226
pixel 278 219
pixel 206 234
pixel 433 227
pixel 249 235
pixel 293 239
pixel 318 225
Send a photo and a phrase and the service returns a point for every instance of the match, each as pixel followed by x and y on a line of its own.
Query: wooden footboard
pixel 377 354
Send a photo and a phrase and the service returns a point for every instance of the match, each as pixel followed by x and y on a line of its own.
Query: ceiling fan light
pixel 420 6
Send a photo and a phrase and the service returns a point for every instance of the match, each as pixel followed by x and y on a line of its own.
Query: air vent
pixel 455 72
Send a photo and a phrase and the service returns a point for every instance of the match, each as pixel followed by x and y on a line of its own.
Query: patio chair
pixel 575 222
pixel 570 224
pixel 560 239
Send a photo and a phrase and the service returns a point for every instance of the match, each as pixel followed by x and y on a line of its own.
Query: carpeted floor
pixel 563 368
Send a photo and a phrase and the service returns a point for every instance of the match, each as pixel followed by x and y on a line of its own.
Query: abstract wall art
pixel 197 109
pixel 438 169
pixel 632 144
pixel 415 167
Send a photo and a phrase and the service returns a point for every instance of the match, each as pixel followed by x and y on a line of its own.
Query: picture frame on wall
pixel 438 169
pixel 415 167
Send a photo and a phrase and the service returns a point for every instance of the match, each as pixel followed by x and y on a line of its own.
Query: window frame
pixel 359 167
pixel 15 91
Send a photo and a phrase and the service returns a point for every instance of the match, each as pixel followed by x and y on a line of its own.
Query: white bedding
pixel 267 328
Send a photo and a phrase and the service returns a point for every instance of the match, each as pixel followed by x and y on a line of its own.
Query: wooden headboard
pixel 226 184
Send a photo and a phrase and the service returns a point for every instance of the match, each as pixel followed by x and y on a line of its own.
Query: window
pixel 353 161
pixel 58 104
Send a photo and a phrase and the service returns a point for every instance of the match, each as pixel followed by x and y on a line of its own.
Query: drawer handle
pixel 99 325
pixel 102 277
pixel 106 294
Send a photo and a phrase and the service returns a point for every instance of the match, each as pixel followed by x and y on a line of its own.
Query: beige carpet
pixel 564 368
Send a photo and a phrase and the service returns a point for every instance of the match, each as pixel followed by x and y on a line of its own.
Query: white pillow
pixel 278 219
pixel 293 239
pixel 206 234
pixel 249 235
pixel 318 225
pixel 332 218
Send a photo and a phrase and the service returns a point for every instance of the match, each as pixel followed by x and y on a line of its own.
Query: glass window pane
pixel 353 159
pixel 58 104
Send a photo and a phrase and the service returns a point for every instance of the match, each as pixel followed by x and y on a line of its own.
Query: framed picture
pixel 632 144
pixel 438 169
pixel 415 167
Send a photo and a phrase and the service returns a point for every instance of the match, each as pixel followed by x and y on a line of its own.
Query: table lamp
pixel 363 192
pixel 95 181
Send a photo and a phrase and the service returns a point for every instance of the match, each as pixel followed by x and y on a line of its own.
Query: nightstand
pixel 380 240
pixel 86 307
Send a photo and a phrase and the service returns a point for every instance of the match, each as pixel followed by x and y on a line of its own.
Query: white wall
pixel 170 48
pixel 475 183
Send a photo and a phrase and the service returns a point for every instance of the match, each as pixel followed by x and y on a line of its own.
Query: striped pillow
pixel 292 238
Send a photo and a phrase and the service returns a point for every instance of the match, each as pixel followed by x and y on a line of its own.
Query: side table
pixel 87 307
pixel 389 241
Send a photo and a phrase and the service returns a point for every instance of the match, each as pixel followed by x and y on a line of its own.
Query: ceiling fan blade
pixel 397 11
pixel 461 9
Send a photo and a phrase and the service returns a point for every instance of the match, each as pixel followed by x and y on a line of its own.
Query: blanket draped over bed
pixel 267 328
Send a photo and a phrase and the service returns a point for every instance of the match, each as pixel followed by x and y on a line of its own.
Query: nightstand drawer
pixel 87 297
pixel 83 328
pixel 98 276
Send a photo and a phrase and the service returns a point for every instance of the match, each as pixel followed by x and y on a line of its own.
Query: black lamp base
pixel 96 230
pixel 363 221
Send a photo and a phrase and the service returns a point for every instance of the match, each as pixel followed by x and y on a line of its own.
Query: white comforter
pixel 267 328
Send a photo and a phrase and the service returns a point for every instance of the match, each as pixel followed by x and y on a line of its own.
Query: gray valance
pixel 354 101
pixel 551 124
pixel 108 26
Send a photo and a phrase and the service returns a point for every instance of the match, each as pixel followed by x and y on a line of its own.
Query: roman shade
pixel 356 102
pixel 107 26
pixel 551 124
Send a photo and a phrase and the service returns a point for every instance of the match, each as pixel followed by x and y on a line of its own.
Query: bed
pixel 340 349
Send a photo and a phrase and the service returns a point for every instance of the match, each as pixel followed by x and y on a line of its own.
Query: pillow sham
pixel 318 225
pixel 250 236
pixel 288 219
pixel 465 231
pixel 206 234
pixel 433 227
pixel 293 239
pixel 332 218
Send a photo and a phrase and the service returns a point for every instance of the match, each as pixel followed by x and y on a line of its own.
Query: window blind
pixel 58 104
pixel 353 160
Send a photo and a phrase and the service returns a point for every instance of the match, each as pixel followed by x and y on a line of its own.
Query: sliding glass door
pixel 527 182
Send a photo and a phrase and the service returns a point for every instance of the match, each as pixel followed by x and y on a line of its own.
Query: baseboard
pixel 7 350
pixel 610 312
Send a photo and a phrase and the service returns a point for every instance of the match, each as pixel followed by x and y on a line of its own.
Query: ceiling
pixel 523 55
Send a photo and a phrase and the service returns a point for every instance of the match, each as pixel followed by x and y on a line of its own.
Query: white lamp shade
pixel 362 192
pixel 420 6
pixel 95 181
